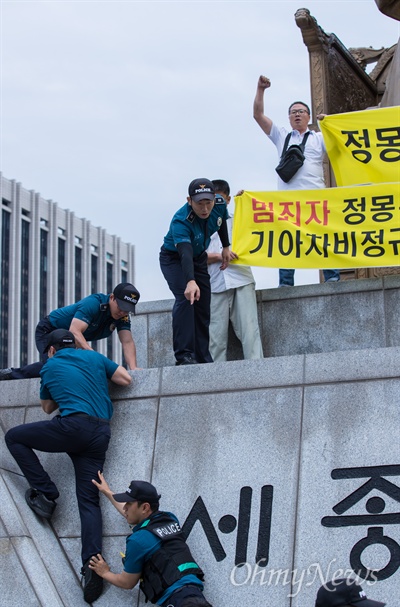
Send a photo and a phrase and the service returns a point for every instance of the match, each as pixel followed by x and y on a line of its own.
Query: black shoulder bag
pixel 292 159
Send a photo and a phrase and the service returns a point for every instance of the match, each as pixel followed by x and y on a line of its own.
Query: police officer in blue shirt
pixel 183 261
pixel 89 319
pixel 75 382
pixel 157 554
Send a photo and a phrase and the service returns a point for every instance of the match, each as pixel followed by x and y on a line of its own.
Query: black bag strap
pixel 285 145
pixel 303 143
pixel 301 146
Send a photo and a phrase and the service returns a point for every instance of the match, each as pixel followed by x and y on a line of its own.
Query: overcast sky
pixel 112 108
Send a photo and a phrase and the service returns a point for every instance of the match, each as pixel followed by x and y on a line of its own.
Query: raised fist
pixel 264 82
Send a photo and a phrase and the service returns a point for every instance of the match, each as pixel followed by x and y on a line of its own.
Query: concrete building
pixel 50 258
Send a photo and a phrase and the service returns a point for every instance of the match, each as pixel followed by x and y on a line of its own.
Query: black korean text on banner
pixel 347 227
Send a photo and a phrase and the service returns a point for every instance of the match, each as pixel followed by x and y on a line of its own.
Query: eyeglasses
pixel 294 112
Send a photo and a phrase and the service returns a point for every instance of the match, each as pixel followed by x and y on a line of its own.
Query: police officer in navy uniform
pixel 74 381
pixel 156 551
pixel 183 261
pixel 92 318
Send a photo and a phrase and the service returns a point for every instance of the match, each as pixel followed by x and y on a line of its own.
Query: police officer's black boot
pixel 5 373
pixel 39 503
pixel 92 583
pixel 187 359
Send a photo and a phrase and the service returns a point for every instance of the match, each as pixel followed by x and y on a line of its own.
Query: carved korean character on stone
pixel 375 507
pixel 229 523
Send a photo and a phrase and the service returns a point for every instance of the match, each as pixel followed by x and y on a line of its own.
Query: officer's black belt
pixel 172 254
pixel 91 418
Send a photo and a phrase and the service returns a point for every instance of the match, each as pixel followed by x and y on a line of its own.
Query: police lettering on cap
pixel 138 491
pixel 126 296
pixel 61 338
pixel 344 592
pixel 201 189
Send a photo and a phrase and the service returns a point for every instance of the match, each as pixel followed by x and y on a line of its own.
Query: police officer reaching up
pixel 183 261
pixel 156 551
pixel 92 318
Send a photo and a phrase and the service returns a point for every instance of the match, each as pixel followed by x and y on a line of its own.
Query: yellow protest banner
pixel 347 227
pixel 364 147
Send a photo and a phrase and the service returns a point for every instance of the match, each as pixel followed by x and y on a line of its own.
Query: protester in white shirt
pixel 311 175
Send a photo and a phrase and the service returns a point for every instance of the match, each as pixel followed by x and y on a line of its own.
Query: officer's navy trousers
pixel 43 328
pixel 85 440
pixel 190 323
pixel 178 598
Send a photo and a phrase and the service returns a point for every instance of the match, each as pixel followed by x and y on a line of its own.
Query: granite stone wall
pixel 328 317
pixel 291 462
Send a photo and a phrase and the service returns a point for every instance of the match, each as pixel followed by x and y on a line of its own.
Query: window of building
pixel 78 273
pixel 43 273
pixel 110 287
pixel 24 297
pixel 109 277
pixel 110 350
pixel 93 273
pixel 124 276
pixel 44 222
pixel 5 286
pixel 61 273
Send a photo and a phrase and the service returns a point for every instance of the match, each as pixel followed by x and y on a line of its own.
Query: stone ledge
pixel 301 369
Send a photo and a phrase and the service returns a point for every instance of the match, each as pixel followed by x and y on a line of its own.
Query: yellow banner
pixel 348 227
pixel 364 147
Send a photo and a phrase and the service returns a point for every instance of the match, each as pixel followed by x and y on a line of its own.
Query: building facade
pixel 50 258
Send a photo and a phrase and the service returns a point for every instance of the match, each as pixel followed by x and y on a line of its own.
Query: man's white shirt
pixel 234 276
pixel 311 175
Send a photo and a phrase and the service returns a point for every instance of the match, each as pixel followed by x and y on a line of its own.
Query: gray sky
pixel 112 108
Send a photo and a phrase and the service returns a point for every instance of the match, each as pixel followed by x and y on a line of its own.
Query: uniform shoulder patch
pixel 191 216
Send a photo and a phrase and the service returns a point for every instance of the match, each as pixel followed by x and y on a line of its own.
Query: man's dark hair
pixel 153 505
pixel 302 103
pixel 220 185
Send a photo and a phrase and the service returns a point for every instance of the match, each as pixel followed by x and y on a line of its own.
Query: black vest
pixel 172 561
